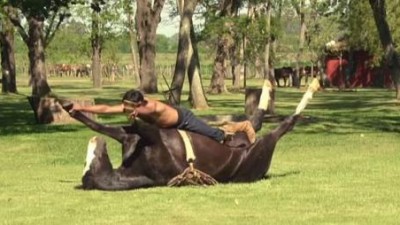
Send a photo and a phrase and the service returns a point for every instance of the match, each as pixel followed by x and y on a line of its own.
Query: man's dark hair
pixel 133 95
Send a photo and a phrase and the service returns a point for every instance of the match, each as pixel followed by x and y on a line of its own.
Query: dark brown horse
pixel 152 156
pixel 285 73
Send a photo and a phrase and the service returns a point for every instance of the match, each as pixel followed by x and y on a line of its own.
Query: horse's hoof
pixel 67 105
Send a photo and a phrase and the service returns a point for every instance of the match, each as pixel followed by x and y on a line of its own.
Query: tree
pixel 267 50
pixel 104 22
pixel 225 41
pixel 185 8
pixel 69 45
pixel 132 38
pixel 7 53
pixel 38 35
pixel 96 41
pixel 43 19
pixel 197 95
pixel 187 59
pixel 385 36
pixel 300 10
pixel 148 16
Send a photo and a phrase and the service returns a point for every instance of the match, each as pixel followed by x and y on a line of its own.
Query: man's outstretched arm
pixel 100 108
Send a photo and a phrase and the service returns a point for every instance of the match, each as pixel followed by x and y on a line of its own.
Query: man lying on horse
pixel 167 116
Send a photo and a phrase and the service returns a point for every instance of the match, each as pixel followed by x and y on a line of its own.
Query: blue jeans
pixel 189 122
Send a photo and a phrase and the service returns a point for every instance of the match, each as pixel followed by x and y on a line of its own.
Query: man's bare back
pixel 154 112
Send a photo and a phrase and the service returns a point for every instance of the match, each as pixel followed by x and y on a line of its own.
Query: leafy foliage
pixel 40 8
pixel 70 44
pixel 362 28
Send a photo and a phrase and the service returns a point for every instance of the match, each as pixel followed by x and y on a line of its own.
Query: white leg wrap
pixel 265 95
pixel 313 87
pixel 90 154
pixel 304 101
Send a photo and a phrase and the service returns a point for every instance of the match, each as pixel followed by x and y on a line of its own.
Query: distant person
pixel 165 116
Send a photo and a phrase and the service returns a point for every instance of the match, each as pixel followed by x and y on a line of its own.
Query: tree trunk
pixel 267 41
pixel 229 8
pixel 268 74
pixel 38 79
pixel 147 19
pixel 7 57
pixel 237 67
pixel 391 56
pixel 182 57
pixel 96 50
pixel 197 94
pixel 250 16
pixel 302 37
pixel 217 83
pixel 187 60
pixel 244 62
pixel 133 40
pixel 303 29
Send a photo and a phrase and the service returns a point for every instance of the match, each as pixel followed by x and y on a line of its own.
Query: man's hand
pixel 76 107
pixel 133 115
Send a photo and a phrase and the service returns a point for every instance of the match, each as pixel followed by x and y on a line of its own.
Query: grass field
pixel 340 166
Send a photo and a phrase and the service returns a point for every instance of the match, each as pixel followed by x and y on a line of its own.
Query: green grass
pixel 339 166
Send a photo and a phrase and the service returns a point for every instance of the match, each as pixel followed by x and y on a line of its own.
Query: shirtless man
pixel 156 112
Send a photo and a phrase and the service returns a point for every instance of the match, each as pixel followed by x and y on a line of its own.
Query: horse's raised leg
pixel 289 122
pixel 99 174
pixel 258 115
pixel 284 127
pixel 117 133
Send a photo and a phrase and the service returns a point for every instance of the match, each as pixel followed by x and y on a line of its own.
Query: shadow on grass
pixel 17 117
pixel 347 125
pixel 281 175
pixel 266 177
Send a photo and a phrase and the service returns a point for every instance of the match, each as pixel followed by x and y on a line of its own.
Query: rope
pixel 190 176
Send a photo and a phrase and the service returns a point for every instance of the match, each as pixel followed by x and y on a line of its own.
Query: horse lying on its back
pixel 152 156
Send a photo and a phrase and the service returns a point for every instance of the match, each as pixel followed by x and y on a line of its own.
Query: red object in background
pixel 363 74
pixel 335 71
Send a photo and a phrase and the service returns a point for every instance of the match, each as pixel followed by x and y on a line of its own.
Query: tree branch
pixel 296 6
pixel 48 30
pixel 50 33
pixel 12 14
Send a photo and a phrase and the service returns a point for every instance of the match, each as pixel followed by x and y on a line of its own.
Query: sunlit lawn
pixel 339 166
